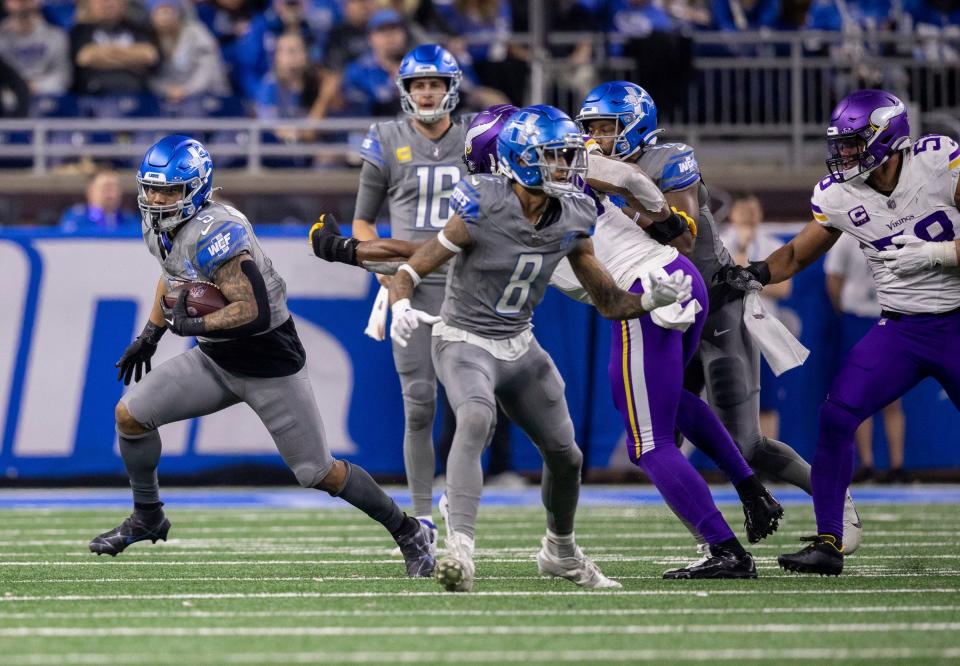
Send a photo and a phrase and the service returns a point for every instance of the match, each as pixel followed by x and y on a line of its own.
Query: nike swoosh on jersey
pixel 205 230
pixel 717 333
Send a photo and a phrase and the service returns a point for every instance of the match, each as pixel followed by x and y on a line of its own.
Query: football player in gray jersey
pixel 248 352
pixel 506 237
pixel 622 118
pixel 414 163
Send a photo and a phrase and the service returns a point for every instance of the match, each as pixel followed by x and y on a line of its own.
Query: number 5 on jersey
pixel 515 294
pixel 436 185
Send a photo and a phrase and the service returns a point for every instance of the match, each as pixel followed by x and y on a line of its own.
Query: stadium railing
pixel 764 93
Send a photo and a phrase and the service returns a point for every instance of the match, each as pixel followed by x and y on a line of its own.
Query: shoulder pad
pixel 680 169
pixel 465 198
pixel 940 152
pixel 222 242
pixel 370 149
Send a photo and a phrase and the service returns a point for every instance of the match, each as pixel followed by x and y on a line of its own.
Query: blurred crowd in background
pixel 321 58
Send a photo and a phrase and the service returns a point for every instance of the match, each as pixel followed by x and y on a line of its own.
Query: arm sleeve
pixel 372 192
pixel 220 246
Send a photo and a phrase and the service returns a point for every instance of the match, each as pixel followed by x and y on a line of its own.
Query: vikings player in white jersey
pixel 899 198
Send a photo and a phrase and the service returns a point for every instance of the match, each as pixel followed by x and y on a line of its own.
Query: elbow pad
pixel 262 321
pixel 666 230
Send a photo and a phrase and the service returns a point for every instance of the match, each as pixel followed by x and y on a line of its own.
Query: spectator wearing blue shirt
pixel 239 29
pixel 487 22
pixel 291 16
pixel 290 89
pixel 346 43
pixel 742 15
pixel 102 211
pixel 638 19
pixel 369 82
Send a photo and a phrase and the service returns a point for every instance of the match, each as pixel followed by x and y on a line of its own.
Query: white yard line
pixel 460 612
pixel 514 630
pixel 412 593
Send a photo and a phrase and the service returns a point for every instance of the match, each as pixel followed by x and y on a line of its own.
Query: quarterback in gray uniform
pixel 506 236
pixel 622 118
pixel 414 163
pixel 248 352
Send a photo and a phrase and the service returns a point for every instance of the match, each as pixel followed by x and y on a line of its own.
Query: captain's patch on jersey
pixel 404 154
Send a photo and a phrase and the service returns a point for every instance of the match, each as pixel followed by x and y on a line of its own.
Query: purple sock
pixel 832 467
pixel 685 490
pixel 701 426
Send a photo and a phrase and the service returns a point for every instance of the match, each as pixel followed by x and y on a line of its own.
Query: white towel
pixel 778 345
pixel 673 316
pixel 377 324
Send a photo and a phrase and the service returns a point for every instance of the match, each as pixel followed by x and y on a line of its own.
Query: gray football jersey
pixel 673 166
pixel 216 234
pixel 494 284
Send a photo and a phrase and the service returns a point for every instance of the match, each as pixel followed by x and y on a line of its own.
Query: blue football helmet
pixel 429 60
pixel 542 148
pixel 630 107
pixel 180 163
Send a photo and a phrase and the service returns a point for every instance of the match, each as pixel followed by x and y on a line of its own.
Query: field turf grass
pixel 289 586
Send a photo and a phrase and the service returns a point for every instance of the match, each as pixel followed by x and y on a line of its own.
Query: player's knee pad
pixel 419 403
pixel 475 423
pixel 728 380
pixel 310 474
pixel 838 423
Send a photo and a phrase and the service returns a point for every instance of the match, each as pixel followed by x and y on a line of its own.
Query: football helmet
pixel 542 148
pixel 630 107
pixel 429 60
pixel 180 163
pixel 480 144
pixel 866 128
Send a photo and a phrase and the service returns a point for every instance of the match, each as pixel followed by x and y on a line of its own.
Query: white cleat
pixel 579 569
pixel 852 528
pixel 455 569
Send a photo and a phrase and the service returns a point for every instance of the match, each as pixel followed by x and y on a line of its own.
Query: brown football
pixel 202 298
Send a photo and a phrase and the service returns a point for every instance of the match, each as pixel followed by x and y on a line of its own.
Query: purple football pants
pixel 893 357
pixel 646 375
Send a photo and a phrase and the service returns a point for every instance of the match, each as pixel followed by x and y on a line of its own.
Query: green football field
pixel 305 585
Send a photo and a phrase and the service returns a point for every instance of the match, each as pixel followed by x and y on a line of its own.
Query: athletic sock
pixel 732 545
pixel 563 545
pixel 749 488
pixel 362 491
pixel 141 455
pixel 147 507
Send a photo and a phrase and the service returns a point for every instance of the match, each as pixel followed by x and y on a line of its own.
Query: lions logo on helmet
pixel 177 163
pixel 542 148
pixel 429 61
pixel 630 107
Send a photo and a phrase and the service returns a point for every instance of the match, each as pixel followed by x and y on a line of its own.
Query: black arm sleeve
pixel 372 192
pixel 666 230
pixel 262 321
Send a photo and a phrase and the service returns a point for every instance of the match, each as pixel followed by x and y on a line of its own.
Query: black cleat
pixel 721 563
pixel 821 557
pixel 762 516
pixel 130 531
pixel 418 548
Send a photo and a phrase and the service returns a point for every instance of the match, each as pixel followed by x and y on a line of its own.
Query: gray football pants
pixel 418 384
pixel 192 385
pixel 728 363
pixel 530 391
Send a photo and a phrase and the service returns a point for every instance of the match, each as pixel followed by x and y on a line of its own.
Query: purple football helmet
pixel 866 128
pixel 480 145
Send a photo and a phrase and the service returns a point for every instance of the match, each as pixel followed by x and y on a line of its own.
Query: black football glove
pixel 178 320
pixel 330 244
pixel 732 282
pixel 135 362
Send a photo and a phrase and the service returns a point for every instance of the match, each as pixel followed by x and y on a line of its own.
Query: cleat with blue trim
pixel 417 547
pixel 821 556
pixel 722 563
pixel 139 526
pixel 762 514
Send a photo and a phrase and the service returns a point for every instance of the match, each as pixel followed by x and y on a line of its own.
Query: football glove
pixel 178 320
pixel 732 282
pixel 915 255
pixel 406 320
pixel 135 362
pixel 675 288
pixel 330 244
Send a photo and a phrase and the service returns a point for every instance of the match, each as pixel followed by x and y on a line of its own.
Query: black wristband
pixel 152 333
pixel 666 230
pixel 345 250
pixel 192 326
pixel 760 270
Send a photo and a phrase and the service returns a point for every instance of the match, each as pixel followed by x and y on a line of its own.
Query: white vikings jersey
pixel 922 205
pixel 625 250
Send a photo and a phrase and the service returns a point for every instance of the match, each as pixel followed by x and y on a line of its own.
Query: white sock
pixel 564 545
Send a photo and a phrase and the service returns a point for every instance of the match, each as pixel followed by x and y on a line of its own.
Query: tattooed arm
pixel 248 312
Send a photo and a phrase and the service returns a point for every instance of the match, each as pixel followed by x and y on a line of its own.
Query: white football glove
pixel 406 320
pixel 915 255
pixel 675 288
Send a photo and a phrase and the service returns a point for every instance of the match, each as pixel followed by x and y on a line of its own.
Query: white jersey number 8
pixel 516 293
pixel 436 184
